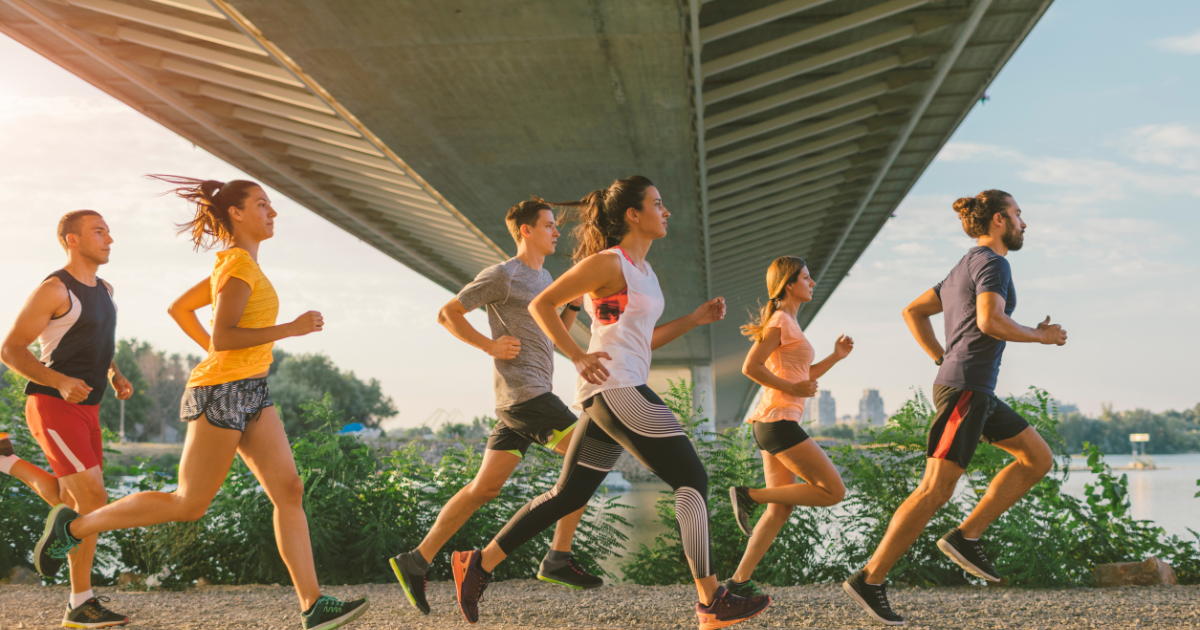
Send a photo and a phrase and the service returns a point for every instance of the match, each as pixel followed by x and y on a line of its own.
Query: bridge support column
pixel 705 394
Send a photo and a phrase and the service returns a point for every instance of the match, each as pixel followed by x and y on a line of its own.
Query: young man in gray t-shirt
pixel 526 408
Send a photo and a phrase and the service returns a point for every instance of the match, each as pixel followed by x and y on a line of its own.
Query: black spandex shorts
pixel 777 437
pixel 544 419
pixel 966 418
pixel 229 405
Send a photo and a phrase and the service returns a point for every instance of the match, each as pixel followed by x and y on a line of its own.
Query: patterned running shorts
pixel 228 405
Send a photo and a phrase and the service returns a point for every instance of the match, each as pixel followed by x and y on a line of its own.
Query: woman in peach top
pixel 781 361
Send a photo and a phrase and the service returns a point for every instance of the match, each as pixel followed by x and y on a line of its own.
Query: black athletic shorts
pixel 545 420
pixel 777 437
pixel 230 405
pixel 966 418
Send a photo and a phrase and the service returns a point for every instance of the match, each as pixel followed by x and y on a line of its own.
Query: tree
pixel 298 379
pixel 152 413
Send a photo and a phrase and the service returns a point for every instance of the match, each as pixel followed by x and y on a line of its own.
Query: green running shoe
pixel 56 542
pixel 93 614
pixel 571 574
pixel 331 612
pixel 747 589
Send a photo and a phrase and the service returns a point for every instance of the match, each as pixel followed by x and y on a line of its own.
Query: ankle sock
pixel 78 599
pixel 556 559
pixel 737 583
pixel 7 462
pixel 414 561
pixel 971 539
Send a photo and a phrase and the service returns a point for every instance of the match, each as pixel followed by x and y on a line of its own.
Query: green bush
pixel 1048 539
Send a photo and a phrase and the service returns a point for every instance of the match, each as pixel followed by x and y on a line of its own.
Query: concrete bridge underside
pixel 771 127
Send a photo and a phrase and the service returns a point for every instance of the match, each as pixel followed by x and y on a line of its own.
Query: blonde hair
pixel 782 272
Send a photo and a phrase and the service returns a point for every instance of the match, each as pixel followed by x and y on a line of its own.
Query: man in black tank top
pixel 73 317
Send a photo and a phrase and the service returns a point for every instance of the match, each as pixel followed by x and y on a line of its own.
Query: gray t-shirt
pixel 506 290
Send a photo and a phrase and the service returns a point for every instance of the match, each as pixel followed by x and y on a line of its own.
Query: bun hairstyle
pixel 601 215
pixel 977 212
pixel 782 272
pixel 211 225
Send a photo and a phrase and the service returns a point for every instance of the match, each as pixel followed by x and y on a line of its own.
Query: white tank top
pixel 622 326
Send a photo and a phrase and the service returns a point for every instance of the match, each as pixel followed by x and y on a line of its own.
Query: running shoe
pixel 470 581
pixel 872 598
pixel 6 447
pixel 727 609
pixel 413 582
pixel 571 574
pixel 743 507
pixel 968 554
pixel 745 589
pixel 93 614
pixel 331 612
pixel 56 542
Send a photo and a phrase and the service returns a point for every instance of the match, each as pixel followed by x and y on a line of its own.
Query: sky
pixel 1091 126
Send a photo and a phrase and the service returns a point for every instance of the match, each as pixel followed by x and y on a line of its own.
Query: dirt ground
pixel 532 604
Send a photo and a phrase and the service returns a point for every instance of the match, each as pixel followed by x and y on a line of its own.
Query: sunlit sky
pixel 1092 126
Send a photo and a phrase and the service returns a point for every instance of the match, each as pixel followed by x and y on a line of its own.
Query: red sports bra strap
pixel 623 253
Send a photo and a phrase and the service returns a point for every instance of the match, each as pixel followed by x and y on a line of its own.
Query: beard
pixel 1012 238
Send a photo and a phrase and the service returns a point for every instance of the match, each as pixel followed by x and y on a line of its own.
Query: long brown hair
pixel 211 225
pixel 782 272
pixel 601 215
pixel 977 212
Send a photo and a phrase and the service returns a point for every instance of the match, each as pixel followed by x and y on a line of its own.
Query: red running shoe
pixel 470 581
pixel 727 609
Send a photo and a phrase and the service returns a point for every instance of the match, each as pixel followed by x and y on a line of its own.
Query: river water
pixel 1164 495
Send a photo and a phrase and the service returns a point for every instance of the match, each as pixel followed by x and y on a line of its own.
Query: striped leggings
pixel 636 419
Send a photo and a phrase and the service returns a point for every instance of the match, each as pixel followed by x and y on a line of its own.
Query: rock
pixel 203 582
pixel 21 575
pixel 1148 573
pixel 128 578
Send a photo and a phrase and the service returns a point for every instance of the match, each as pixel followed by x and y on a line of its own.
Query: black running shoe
pixel 968 554
pixel 56 542
pixel 745 589
pixel 470 581
pixel 6 447
pixel 743 507
pixel 571 574
pixel 93 614
pixel 413 582
pixel 727 609
pixel 872 598
pixel 331 612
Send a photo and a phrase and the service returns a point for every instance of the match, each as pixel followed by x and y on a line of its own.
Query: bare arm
pixel 49 299
pixel 183 311
pixel 755 367
pixel 568 315
pixel 452 316
pixel 709 312
pixel 917 315
pixel 598 275
pixel 231 303
pixel 990 316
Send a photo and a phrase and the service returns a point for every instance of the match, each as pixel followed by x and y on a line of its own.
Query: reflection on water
pixel 1165 496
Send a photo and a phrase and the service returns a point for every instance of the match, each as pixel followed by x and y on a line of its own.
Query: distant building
pixel 870 408
pixel 825 411
pixel 846 419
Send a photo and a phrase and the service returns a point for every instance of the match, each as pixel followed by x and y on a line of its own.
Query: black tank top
pixel 81 342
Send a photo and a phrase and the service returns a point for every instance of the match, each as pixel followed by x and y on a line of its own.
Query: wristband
pixel 574 308
pixel 939 360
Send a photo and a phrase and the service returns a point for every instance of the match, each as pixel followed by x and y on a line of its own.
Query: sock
pixel 414 561
pixel 971 539
pixel 78 599
pixel 556 559
pixel 7 462
pixel 737 583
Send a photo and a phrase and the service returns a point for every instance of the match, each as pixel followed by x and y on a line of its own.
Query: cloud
pixel 1175 144
pixel 1184 44
pixel 970 151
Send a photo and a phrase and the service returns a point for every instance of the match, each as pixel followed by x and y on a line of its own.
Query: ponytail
pixel 783 271
pixel 212 199
pixel 601 215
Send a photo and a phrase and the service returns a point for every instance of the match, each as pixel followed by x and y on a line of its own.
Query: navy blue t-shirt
pixel 972 359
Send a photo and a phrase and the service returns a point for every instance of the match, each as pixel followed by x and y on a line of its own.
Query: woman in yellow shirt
pixel 781 360
pixel 227 404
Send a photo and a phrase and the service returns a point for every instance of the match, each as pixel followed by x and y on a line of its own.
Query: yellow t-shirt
pixel 791 362
pixel 261 311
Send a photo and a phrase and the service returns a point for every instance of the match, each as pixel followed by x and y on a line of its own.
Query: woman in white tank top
pixel 617 226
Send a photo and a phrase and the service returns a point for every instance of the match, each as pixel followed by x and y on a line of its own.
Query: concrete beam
pixel 749 20
pixel 849 118
pixel 774 159
pixel 812 111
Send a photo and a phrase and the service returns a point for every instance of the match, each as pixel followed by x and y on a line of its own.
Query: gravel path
pixel 532 604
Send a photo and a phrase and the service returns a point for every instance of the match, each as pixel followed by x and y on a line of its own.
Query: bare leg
pixel 38 480
pixel 83 492
pixel 265 449
pixel 935 489
pixel 1034 460
pixel 824 488
pixel 207 455
pixel 497 467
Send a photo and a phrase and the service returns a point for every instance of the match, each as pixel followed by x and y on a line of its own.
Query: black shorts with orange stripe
pixel 966 418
